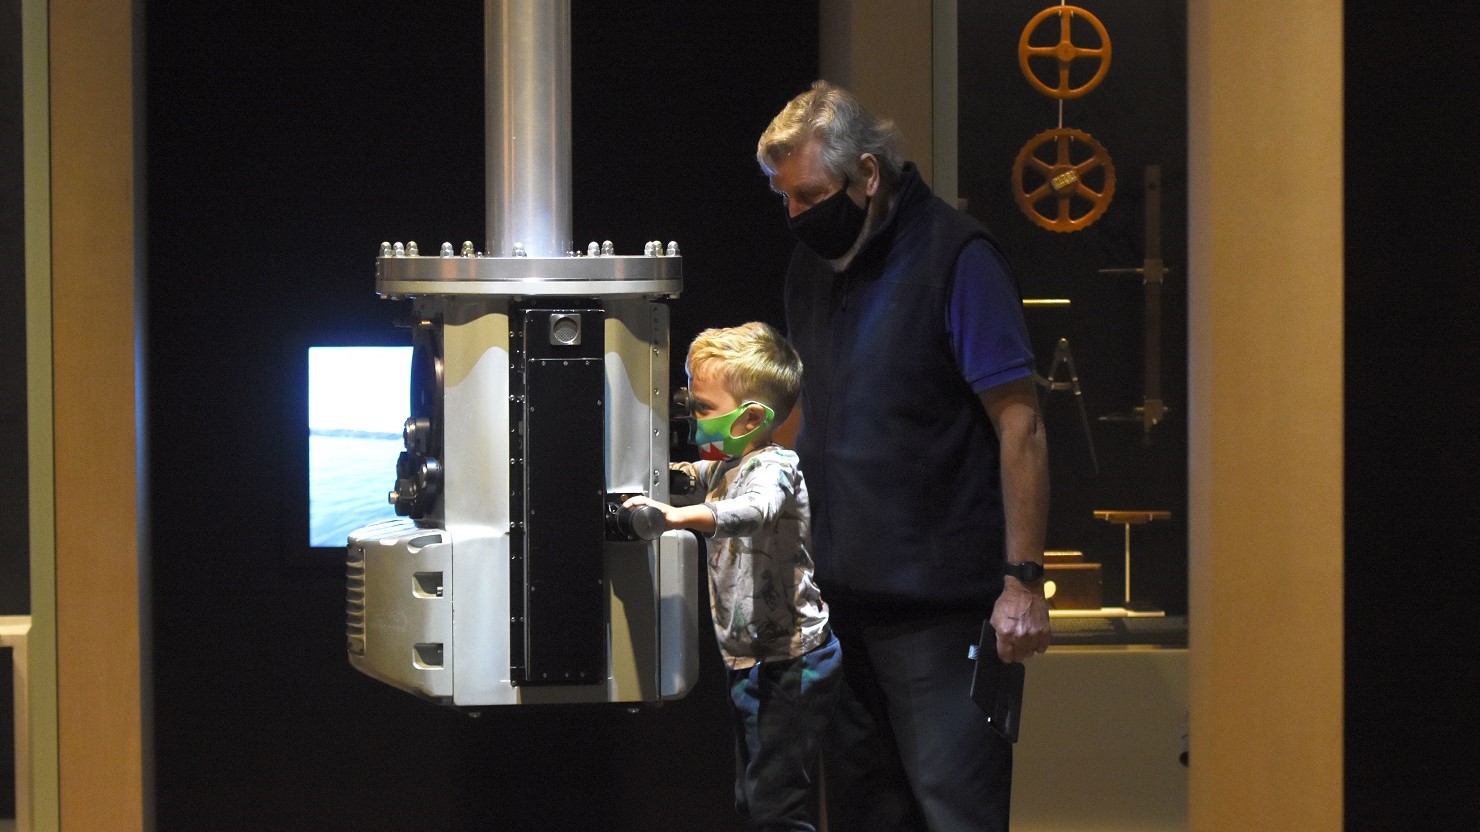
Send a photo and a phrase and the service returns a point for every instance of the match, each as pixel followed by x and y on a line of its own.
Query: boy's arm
pixel 757 499
pixel 698 517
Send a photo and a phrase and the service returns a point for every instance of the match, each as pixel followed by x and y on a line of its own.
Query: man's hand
pixel 1020 615
pixel 1020 618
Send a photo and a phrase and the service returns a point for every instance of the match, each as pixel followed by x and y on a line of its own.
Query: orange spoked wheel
pixel 1065 184
pixel 1065 52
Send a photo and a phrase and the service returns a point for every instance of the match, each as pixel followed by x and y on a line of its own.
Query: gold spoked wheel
pixel 1065 52
pixel 1062 181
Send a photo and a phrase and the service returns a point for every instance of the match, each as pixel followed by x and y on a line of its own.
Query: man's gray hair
pixel 845 127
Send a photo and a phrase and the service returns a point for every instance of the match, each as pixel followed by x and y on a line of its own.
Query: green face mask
pixel 713 437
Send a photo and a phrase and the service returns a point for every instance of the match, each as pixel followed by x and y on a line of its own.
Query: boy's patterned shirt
pixel 764 601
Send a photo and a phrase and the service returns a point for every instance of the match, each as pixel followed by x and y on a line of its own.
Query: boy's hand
pixel 639 500
pixel 699 518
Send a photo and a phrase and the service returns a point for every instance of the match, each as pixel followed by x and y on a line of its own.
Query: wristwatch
pixel 1028 571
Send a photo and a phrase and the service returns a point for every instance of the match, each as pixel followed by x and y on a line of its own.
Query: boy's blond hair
pixel 753 361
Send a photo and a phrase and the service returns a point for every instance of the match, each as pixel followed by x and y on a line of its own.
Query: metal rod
pixel 527 126
pixel 1127 602
pixel 1152 408
pixel 1152 271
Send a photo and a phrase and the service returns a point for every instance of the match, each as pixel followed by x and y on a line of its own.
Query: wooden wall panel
pixel 880 50
pixel 1265 357
pixel 95 381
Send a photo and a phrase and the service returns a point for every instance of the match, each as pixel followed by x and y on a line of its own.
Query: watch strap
pixel 1028 571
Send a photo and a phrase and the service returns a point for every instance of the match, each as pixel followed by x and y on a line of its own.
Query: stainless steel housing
pixel 540 399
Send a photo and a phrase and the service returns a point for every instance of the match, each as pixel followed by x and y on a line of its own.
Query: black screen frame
pixel 298 555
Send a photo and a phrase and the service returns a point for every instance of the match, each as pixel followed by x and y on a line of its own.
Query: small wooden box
pixel 1072 584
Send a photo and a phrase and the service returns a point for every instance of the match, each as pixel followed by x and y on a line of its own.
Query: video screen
pixel 358 401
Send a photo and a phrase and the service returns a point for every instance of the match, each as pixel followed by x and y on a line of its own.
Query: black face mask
pixel 830 227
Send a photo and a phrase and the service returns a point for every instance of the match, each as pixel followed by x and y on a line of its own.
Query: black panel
pixel 564 595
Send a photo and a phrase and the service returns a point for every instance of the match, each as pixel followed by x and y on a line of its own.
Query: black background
pixel 1412 456
pixel 15 559
pixel 286 141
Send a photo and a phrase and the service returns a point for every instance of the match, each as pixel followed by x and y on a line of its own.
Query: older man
pixel 925 453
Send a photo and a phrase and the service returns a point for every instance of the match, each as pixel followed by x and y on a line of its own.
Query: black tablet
pixel 997 686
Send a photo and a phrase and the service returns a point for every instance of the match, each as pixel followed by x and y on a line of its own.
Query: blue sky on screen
pixel 359 388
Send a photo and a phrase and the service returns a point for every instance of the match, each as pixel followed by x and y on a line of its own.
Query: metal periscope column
pixel 539 402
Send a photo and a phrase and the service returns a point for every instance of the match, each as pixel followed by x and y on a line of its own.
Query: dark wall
pixel 1412 456
pixel 285 142
pixel 15 561
pixel 1138 114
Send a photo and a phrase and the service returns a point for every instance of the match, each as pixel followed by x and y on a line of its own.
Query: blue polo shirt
pixel 985 320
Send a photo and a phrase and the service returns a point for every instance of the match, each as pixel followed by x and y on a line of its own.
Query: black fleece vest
pixel 900 459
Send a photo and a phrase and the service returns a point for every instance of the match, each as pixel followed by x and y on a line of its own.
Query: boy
pixel 769 618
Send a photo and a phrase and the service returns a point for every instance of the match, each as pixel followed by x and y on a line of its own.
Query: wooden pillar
pixel 41 760
pixel 1265 414
pixel 881 51
pixel 96 355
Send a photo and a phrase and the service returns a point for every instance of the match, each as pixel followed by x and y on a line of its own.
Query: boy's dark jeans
pixel 780 710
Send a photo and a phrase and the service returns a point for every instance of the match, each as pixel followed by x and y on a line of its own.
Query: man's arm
pixel 1020 615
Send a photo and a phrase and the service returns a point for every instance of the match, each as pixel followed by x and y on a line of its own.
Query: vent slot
pixel 426 656
pixel 355 601
pixel 426 584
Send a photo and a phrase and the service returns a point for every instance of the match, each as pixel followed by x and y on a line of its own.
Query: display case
pixel 1071 141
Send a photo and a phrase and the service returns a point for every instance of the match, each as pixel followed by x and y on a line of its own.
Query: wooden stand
pixel 1128 519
